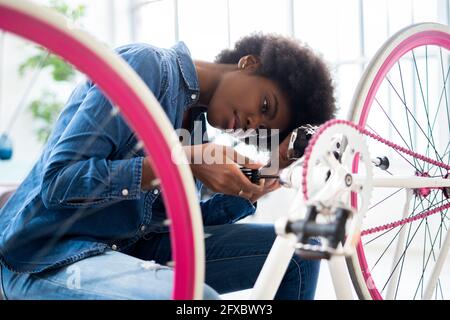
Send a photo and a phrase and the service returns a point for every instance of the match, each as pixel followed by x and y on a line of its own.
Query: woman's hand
pixel 218 168
pixel 267 185
pixel 279 157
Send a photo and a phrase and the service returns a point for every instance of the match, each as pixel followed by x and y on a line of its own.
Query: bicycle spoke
pixel 400 154
pixel 430 228
pixel 442 95
pixel 412 116
pixel 406 113
pixel 425 105
pixel 392 240
pixel 427 261
pixel 402 264
pixel 393 125
pixel 389 196
pixel 407 246
pixel 446 98
pixel 402 255
pixel 432 245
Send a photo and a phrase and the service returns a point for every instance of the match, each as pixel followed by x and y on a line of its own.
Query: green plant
pixel 46 108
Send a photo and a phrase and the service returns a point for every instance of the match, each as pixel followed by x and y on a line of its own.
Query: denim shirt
pixel 83 195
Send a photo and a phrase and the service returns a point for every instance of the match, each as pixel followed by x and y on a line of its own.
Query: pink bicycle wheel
pixel 144 115
pixel 403 97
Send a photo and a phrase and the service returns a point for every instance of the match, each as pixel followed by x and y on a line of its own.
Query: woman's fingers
pixel 272 184
pixel 219 169
pixel 245 195
pixel 243 185
pixel 265 186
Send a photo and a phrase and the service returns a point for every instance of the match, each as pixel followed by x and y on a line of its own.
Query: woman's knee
pixel 309 268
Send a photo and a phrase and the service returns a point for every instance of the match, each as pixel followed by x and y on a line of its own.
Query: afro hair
pixel 300 73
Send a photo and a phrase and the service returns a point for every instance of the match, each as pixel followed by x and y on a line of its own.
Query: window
pixel 346 33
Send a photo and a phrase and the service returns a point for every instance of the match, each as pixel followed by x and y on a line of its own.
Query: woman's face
pixel 245 101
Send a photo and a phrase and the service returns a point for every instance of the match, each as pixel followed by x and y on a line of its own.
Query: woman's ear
pixel 249 62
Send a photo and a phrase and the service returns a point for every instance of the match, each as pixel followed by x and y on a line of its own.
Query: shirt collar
pixel 187 66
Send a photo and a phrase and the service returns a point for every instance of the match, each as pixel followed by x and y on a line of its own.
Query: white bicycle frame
pixel 285 244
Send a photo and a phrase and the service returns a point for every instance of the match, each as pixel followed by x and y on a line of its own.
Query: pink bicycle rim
pixel 138 117
pixel 437 38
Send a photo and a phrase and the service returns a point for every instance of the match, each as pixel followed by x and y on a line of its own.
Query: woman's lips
pixel 230 125
pixel 234 123
pixel 237 121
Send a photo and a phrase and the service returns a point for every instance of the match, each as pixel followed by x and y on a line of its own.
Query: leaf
pixel 60 70
pixel 47 107
pixel 32 62
pixel 45 110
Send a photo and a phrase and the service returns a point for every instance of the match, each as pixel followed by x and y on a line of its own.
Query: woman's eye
pixel 265 106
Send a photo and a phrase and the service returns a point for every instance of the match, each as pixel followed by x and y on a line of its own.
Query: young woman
pixel 87 220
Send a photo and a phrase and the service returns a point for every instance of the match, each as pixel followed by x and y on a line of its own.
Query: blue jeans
pixel 235 253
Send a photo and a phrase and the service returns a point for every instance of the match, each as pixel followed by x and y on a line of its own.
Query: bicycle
pixel 334 176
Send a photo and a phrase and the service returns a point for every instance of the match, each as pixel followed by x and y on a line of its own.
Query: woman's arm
pixel 217 167
pixel 81 169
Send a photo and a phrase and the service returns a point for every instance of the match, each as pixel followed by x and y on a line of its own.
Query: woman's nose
pixel 253 122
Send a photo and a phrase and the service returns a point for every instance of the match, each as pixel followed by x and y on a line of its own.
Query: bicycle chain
pixel 390 144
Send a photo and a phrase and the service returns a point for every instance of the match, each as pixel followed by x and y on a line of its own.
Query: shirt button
pixel 125 192
pixel 156 191
pixel 114 247
pixel 143 228
pixel 193 96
